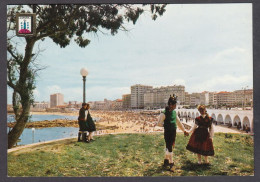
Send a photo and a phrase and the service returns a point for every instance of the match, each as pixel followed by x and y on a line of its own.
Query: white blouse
pixel 211 129
pixel 86 115
pixel 162 118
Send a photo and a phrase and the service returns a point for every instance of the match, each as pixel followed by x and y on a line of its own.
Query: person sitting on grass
pixel 170 120
pixel 201 140
pixel 91 127
pixel 82 123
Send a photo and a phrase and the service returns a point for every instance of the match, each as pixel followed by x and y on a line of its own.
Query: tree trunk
pixel 22 117
pixel 17 130
pixel 15 133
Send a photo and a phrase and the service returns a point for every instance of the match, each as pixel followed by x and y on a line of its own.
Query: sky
pixel 205 47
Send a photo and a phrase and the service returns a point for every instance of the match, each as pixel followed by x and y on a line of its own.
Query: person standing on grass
pixel 91 127
pixel 201 140
pixel 170 120
pixel 82 123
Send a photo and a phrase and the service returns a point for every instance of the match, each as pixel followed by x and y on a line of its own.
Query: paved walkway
pixel 218 128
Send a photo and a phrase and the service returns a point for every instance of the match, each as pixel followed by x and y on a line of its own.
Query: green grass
pixel 132 155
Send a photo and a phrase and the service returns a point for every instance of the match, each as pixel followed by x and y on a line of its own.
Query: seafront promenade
pixel 224 116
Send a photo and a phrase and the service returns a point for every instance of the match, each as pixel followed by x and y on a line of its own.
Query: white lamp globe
pixel 84 72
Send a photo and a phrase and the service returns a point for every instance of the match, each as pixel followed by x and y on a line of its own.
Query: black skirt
pixel 90 124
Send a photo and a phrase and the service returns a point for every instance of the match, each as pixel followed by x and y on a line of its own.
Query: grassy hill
pixel 131 155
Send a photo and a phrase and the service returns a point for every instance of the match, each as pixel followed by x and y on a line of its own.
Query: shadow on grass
pixel 191 166
pixel 154 171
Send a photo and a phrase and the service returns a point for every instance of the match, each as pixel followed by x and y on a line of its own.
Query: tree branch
pixel 12 54
pixel 9 81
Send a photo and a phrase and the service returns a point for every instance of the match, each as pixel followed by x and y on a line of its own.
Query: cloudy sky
pixel 202 46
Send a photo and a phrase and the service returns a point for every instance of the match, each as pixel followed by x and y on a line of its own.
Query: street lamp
pixel 33 129
pixel 84 74
pixel 244 103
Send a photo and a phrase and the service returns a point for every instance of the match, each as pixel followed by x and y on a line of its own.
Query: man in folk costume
pixel 82 123
pixel 170 120
pixel 201 140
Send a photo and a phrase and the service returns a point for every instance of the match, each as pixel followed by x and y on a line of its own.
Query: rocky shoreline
pixel 48 124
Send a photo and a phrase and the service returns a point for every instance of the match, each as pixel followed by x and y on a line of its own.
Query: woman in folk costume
pixel 201 140
pixel 82 123
pixel 169 120
pixel 91 127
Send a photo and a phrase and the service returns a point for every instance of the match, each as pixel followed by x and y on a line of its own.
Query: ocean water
pixel 30 136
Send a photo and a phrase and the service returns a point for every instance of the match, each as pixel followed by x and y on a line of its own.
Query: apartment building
pixel 126 101
pixel 137 95
pixel 225 98
pixel 103 105
pixel 56 99
pixel 195 99
pixel 117 105
pixel 41 105
pixel 213 98
pixel 158 97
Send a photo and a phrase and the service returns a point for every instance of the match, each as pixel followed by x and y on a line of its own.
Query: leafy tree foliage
pixel 61 23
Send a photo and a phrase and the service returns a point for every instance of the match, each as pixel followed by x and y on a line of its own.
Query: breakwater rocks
pixel 47 124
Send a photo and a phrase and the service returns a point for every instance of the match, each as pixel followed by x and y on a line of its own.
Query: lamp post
pixel 33 129
pixel 244 95
pixel 84 73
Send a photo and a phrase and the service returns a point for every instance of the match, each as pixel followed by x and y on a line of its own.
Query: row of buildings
pixel 147 97
pixel 57 103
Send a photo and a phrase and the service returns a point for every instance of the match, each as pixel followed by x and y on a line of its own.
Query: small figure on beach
pixel 201 140
pixel 247 129
pixel 91 127
pixel 82 123
pixel 170 120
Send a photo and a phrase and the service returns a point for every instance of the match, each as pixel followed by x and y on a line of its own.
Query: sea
pixel 36 135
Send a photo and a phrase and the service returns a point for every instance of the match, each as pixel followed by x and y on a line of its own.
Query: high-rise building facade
pixel 158 97
pixel 137 95
pixel 195 99
pixel 56 100
pixel 117 105
pixel 213 98
pixel 243 98
pixel 187 98
pixel 126 101
pixel 225 98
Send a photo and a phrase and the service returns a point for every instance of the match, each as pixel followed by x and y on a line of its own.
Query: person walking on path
pixel 170 120
pixel 201 140
pixel 91 127
pixel 82 123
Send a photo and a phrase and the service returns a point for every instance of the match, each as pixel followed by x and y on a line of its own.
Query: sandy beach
pixel 121 122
